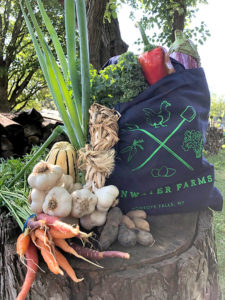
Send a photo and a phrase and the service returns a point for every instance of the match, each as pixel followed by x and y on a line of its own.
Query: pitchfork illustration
pixel 187 115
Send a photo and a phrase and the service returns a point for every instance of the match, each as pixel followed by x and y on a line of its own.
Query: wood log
pixel 181 265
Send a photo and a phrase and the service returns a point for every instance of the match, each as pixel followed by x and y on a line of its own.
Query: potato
pixel 141 224
pixel 137 214
pixel 128 222
pixel 110 230
pixel 126 237
pixel 145 238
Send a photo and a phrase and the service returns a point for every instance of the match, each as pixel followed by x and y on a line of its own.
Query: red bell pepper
pixel 155 63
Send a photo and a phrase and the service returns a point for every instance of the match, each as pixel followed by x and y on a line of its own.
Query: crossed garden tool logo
pixel 187 115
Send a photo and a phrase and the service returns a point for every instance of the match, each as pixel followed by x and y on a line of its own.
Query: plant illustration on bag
pixel 133 148
pixel 193 140
pixel 187 115
pixel 158 119
pixel 163 172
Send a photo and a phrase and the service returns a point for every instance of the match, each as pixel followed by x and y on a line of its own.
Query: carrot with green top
pixel 22 244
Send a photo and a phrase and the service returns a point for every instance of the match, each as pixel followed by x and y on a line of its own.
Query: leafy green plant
pixel 15 198
pixel 119 82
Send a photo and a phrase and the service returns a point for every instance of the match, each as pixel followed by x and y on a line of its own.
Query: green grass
pixel 219 217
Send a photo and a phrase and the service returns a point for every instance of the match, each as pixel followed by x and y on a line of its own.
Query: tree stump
pixel 181 265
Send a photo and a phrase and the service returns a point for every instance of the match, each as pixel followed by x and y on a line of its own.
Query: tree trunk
pixel 178 18
pixel 181 265
pixel 4 103
pixel 104 37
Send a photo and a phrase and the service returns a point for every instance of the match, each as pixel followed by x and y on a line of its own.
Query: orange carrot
pixel 60 235
pixel 62 244
pixel 49 258
pixel 64 264
pixel 41 235
pixel 22 244
pixel 32 265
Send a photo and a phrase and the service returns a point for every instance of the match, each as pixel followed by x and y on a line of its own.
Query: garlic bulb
pixel 76 186
pixel 83 203
pixel 66 181
pixel 44 176
pixel 37 200
pixel 97 218
pixel 106 197
pixel 58 202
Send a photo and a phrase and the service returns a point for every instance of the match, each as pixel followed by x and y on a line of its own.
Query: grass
pixel 219 217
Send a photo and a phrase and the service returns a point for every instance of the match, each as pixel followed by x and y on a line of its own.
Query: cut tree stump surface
pixel 181 265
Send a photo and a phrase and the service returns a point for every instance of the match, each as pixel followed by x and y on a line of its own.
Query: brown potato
pixel 128 222
pixel 144 238
pixel 141 224
pixel 137 214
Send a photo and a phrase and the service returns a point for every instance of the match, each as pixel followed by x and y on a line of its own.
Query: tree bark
pixel 104 37
pixel 181 265
pixel 4 103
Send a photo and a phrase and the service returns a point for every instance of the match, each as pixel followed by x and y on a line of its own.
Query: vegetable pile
pixel 69 187
pixel 48 234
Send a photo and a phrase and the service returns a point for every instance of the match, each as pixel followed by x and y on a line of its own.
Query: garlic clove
pixel 37 200
pixel 44 176
pixel 58 202
pixel 76 186
pixel 66 181
pixel 83 203
pixel 106 197
pixel 97 218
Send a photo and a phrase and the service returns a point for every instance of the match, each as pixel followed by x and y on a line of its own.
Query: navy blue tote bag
pixel 159 164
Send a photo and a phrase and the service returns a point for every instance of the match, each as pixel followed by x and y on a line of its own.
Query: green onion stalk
pixel 63 71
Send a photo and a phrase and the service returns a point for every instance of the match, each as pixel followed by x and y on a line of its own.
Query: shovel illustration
pixel 187 115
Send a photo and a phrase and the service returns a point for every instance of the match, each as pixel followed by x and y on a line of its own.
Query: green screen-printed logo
pixel 158 119
pixel 132 149
pixel 163 172
pixel 193 140
pixel 187 115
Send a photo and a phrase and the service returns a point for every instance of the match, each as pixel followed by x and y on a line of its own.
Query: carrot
pixel 32 266
pixel 91 253
pixel 55 223
pixel 22 244
pixel 49 258
pixel 41 235
pixel 55 234
pixel 62 244
pixel 64 264
pixel 33 224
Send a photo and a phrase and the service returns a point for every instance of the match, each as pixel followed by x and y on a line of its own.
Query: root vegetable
pixel 44 176
pixel 126 237
pixel 141 224
pixel 32 266
pixel 56 224
pixel 22 244
pixel 58 202
pixel 144 238
pixel 32 224
pixel 64 264
pixel 128 222
pixel 110 231
pixel 83 203
pixel 49 258
pixel 97 255
pixel 62 244
pixel 137 214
